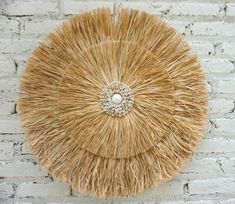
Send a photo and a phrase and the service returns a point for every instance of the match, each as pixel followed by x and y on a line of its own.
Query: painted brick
pixel 20 65
pixel 229 201
pixel 12 137
pixel 8 96
pixel 20 169
pixel 180 26
pixel 208 87
pixel 228 166
pixel 228 48
pixel 6 150
pixel 230 11
pixel 30 7
pixel 200 9
pixel 8 26
pixel 23 46
pixel 213 28
pixel 6 190
pixel 226 86
pixel 7 68
pixel 40 26
pixel 212 186
pixel 189 202
pixel 218 106
pixel 7 108
pixel 17 46
pixel 10 126
pixel 9 85
pixel 217 66
pixel 42 190
pixel 202 47
pixel 74 7
pixel 200 166
pixel 145 6
pixel 216 145
pixel 170 188
pixel 183 8
pixel 5 46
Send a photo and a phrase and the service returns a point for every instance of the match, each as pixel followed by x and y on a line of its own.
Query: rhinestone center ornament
pixel 116 99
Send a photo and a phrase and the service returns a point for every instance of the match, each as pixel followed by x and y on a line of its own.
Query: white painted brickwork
pixel 209 26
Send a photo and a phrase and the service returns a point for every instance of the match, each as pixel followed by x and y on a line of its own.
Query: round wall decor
pixel 112 104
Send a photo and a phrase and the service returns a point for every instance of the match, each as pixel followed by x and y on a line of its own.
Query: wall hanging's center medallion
pixel 116 99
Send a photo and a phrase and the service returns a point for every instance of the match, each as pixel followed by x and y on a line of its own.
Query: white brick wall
pixel 209 26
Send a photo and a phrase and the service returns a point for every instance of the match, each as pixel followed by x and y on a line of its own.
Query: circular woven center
pixel 116 99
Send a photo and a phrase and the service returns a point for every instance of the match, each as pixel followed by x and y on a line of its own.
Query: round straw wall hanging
pixel 112 104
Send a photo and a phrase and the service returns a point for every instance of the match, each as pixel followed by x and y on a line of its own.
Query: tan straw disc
pixel 112 104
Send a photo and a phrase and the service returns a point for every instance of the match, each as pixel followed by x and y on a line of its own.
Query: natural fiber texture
pixel 113 150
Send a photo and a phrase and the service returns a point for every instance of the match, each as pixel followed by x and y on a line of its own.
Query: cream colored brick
pixel 220 106
pixel 30 7
pixel 10 126
pixel 202 47
pixel 217 66
pixel 230 11
pixel 226 86
pixel 7 68
pixel 54 189
pixel 213 28
pixel 20 169
pixel 74 7
pixel 6 150
pixel 6 190
pixel 212 186
pixel 216 145
pixel 40 26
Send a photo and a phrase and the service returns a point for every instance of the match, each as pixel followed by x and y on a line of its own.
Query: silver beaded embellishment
pixel 116 99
